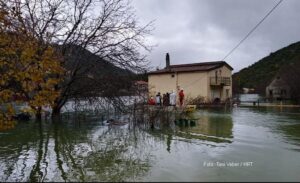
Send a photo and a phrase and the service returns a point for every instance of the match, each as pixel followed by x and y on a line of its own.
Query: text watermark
pixel 227 164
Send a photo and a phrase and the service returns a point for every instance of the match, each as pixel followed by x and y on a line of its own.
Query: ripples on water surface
pixel 87 150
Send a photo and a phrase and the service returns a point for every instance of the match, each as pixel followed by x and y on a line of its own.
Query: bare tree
pixel 81 29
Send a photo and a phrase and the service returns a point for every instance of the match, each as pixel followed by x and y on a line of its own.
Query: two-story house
pixel 211 80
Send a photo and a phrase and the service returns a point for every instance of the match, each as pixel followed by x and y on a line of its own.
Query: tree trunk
pixel 56 110
pixel 38 114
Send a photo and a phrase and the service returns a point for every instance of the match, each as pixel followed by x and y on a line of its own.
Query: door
pixel 215 93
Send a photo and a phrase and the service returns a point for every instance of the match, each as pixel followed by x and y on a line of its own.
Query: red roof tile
pixel 202 66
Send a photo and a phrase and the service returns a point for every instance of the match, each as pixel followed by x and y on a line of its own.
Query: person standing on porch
pixel 181 97
pixel 158 99
pixel 164 100
pixel 151 101
pixel 173 98
pixel 167 99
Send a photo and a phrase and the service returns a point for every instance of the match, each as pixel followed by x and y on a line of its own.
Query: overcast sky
pixel 206 30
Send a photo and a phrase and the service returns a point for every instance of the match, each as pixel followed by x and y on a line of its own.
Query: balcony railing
pixel 220 81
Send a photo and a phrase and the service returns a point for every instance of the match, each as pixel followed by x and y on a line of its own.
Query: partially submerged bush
pixel 196 100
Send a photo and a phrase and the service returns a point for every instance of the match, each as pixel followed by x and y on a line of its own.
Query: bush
pixel 196 100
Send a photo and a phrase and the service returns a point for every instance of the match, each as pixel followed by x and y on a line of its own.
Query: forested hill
pixel 260 74
pixel 85 61
pixel 90 75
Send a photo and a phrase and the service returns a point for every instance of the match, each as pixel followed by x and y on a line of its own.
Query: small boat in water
pixel 115 122
pixel 190 108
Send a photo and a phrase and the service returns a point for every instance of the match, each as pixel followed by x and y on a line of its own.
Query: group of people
pixel 167 99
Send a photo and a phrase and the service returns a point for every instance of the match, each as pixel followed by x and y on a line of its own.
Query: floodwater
pixel 240 144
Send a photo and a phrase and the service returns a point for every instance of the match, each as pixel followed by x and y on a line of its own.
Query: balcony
pixel 220 81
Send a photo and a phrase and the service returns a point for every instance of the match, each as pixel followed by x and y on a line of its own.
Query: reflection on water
pixel 292 132
pixel 213 128
pixel 62 151
pixel 83 148
pixel 6 125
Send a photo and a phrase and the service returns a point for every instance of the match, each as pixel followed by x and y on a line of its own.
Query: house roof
pixel 202 66
pixel 278 82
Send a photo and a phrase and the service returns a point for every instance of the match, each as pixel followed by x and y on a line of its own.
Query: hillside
pixel 91 75
pixel 260 74
pixel 85 60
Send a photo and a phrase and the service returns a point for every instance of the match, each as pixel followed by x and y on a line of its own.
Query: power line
pixel 252 30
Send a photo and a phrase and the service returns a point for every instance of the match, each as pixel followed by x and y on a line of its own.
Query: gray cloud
pixel 206 30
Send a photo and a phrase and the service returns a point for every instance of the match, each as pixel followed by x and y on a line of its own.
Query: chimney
pixel 167 61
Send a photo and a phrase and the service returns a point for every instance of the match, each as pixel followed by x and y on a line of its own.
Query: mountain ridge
pixel 261 73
